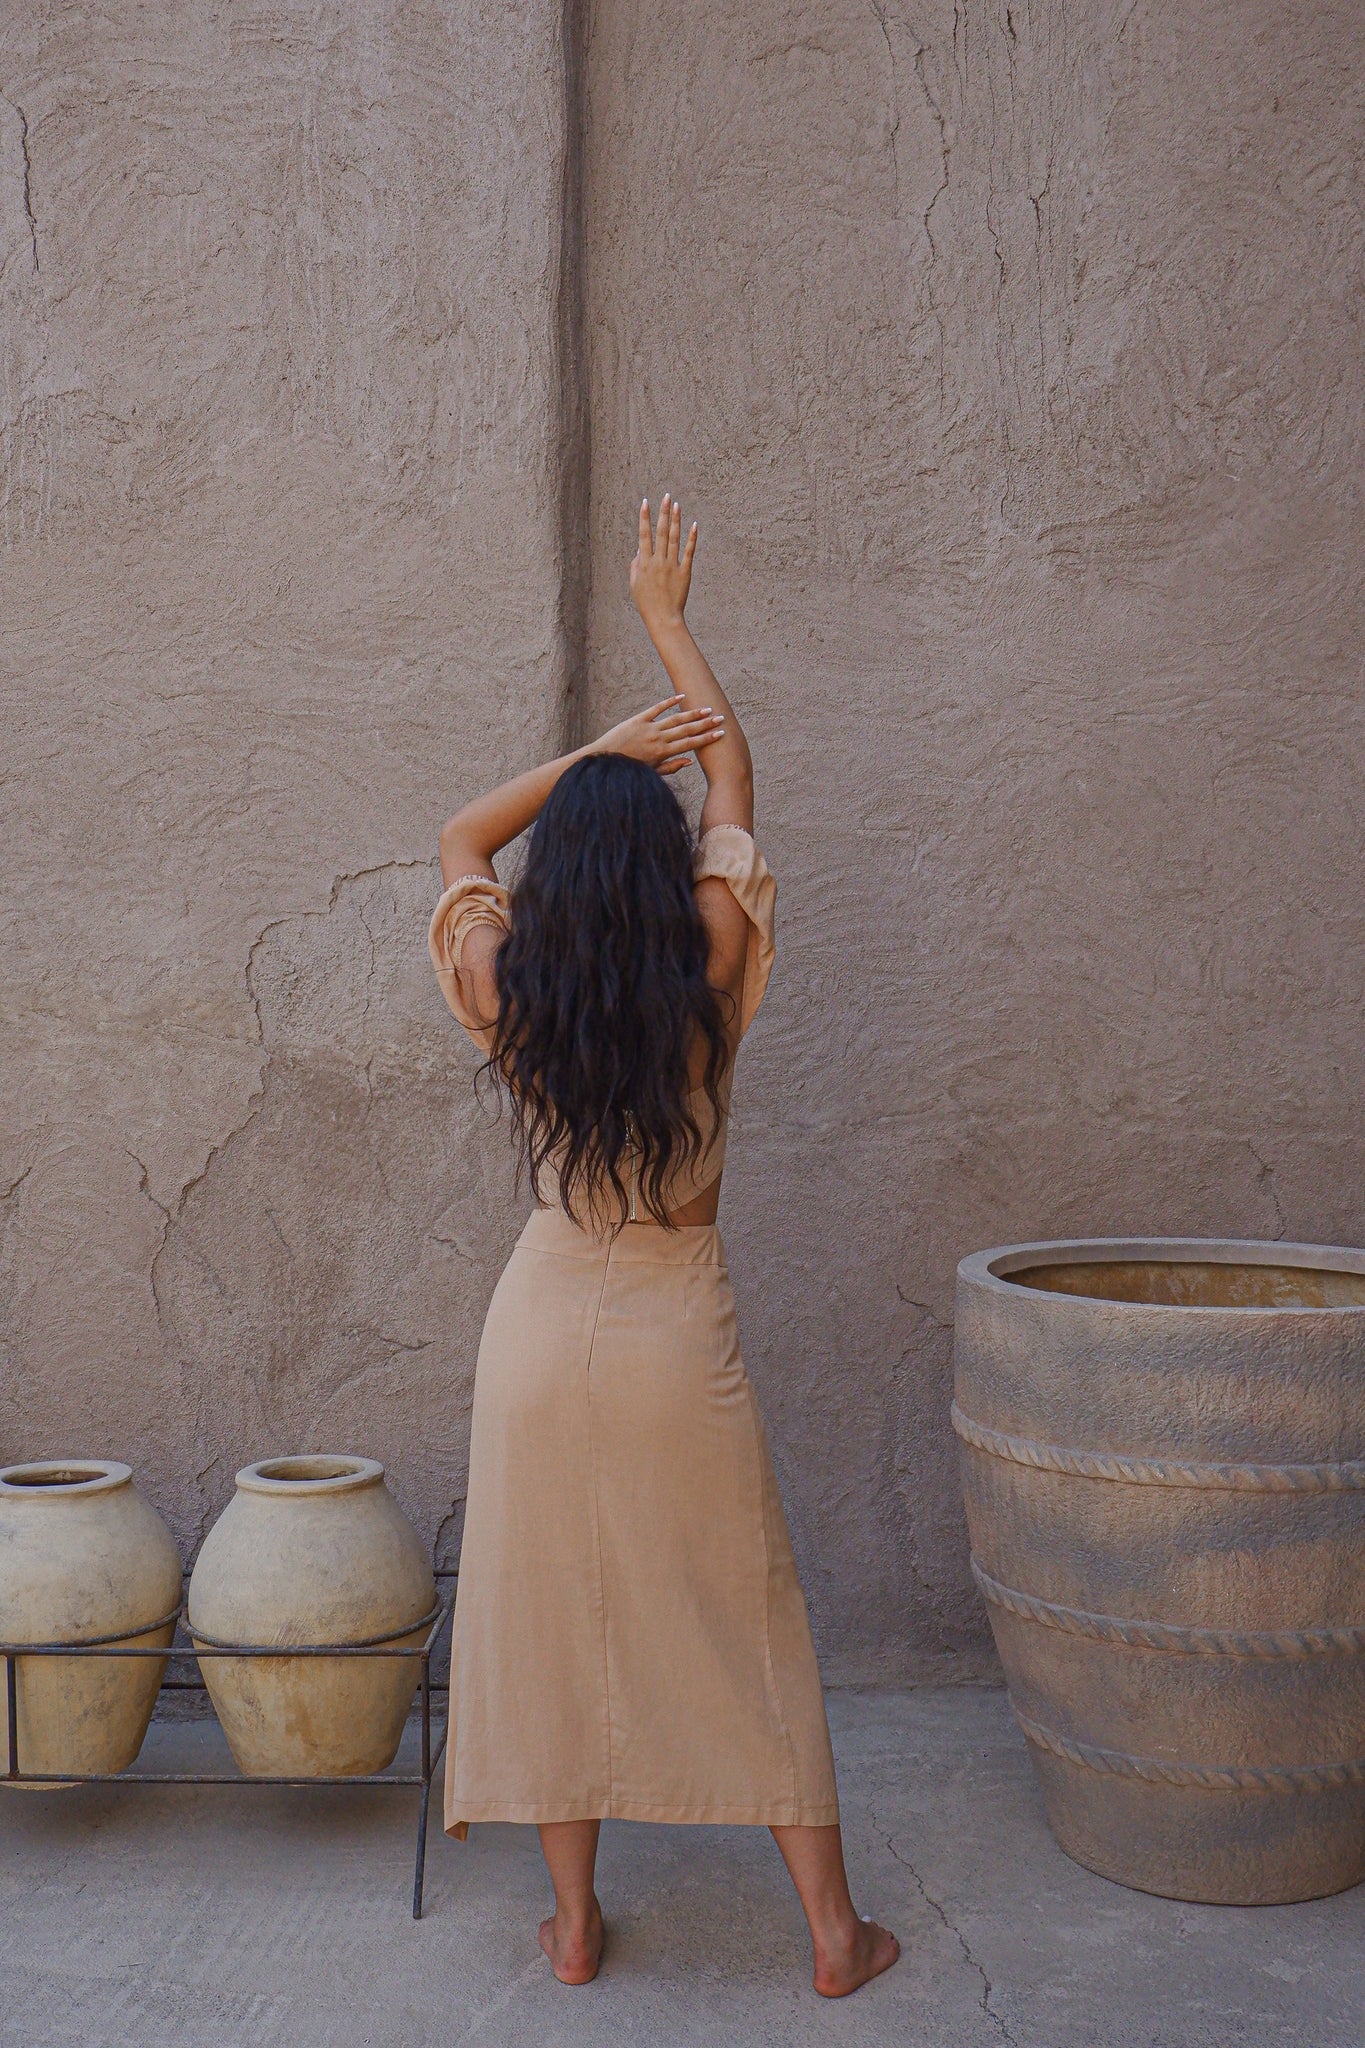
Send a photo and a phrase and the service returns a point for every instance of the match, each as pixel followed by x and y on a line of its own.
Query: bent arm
pixel 482 828
pixel 660 578
pixel 663 737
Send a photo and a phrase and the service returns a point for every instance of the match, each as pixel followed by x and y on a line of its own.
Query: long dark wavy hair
pixel 602 992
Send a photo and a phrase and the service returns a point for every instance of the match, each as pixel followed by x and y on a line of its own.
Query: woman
pixel 630 1637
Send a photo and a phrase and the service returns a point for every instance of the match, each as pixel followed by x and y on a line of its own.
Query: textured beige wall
pixel 1009 359
pixel 281 456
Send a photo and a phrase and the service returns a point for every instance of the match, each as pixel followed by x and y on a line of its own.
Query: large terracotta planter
pixel 311 1550
pixel 83 1559
pixel 1163 1448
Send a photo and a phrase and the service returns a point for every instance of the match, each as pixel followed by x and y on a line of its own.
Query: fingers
pixel 665 538
pixel 687 727
pixel 673 725
pixel 673 762
pixel 681 714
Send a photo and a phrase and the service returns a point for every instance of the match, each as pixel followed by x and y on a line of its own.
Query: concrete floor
pixel 209 1919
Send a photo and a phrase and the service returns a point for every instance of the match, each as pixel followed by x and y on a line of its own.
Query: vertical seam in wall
pixel 573 450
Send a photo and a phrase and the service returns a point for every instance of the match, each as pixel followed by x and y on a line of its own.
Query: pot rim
pixel 55 1478
pixel 332 1472
pixel 994 1269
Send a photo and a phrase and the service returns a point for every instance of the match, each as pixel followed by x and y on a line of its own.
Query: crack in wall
pixel 945 156
pixel 144 1188
pixel 1265 1178
pixel 173 1214
pixel 1036 202
pixel 941 1913
pixel 924 1309
pixel 879 10
pixel 27 183
pixel 447 1522
pixel 936 1596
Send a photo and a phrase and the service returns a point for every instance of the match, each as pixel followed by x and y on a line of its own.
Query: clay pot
pixel 312 1550
pixel 1164 1462
pixel 83 1559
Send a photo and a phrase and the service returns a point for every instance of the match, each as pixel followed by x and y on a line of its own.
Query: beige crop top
pixel 726 852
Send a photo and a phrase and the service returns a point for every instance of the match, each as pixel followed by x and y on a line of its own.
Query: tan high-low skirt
pixel 631 1638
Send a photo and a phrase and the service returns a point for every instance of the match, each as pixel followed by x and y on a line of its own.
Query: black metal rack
pixel 178 1653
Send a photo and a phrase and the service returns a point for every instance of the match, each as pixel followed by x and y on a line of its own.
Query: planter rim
pixel 304 1474
pixel 63 1478
pixel 994 1269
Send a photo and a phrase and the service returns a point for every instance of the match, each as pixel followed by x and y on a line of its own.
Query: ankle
pixel 837 1931
pixel 575 1922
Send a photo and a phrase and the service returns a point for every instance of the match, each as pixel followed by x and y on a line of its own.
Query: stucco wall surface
pixel 1009 357
pixel 281 448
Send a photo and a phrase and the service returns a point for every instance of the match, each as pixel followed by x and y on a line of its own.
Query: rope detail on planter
pixel 1019 1450
pixel 1207 1777
pixel 1162 1635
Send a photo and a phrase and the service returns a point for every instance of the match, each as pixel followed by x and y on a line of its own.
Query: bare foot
pixel 849 1966
pixel 574 1957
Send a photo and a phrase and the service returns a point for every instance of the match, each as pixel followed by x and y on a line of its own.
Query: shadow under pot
pixel 83 1559
pixel 1163 1451
pixel 309 1551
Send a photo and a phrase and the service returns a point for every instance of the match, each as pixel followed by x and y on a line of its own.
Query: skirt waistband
pixel 641 1244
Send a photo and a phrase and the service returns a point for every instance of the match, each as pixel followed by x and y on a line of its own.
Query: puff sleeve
pixel 473 899
pixel 728 853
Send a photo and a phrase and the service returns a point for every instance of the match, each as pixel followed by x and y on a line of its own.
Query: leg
pixel 848 1951
pixel 572 1938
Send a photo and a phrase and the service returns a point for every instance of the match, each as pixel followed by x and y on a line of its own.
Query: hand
pixel 664 737
pixel 661 574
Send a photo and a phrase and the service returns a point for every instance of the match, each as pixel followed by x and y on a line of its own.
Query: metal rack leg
pixel 12 1709
pixel 419 1875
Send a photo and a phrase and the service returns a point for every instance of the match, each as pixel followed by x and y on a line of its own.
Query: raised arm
pixel 660 578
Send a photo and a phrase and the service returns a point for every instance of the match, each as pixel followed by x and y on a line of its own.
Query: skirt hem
pixel 536 1812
